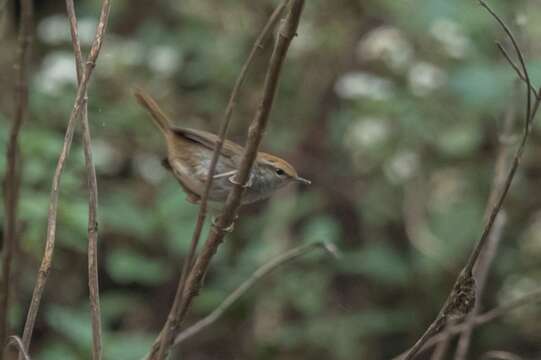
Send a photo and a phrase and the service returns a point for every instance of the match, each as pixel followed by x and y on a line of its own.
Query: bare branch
pixel 17 343
pixel 500 355
pixel 528 299
pixel 462 297
pixel 226 120
pixel 80 100
pixel 12 179
pixel 183 299
pixel 260 273
pixel 93 284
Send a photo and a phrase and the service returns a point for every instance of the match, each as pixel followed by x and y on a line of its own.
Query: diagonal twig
pixel 76 112
pixel 184 299
pixel 93 284
pixel 260 273
pixel 462 297
pixel 500 355
pixel 12 177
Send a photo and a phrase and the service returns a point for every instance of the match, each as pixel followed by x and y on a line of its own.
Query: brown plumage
pixel 189 152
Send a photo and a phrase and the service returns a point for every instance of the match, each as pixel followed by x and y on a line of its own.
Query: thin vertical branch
pixel 12 179
pixel 76 112
pixel 93 283
pixel 260 273
pixel 462 297
pixel 226 120
pixel 183 299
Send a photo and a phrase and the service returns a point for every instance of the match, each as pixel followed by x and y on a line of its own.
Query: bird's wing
pixel 209 140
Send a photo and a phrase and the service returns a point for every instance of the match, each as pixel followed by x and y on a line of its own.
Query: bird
pixel 189 154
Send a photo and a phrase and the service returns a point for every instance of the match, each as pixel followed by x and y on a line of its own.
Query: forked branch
pixel 491 315
pixel 183 299
pixel 93 284
pixel 76 112
pixel 462 297
pixel 226 120
pixel 260 273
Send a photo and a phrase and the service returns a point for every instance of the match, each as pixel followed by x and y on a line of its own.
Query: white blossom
pixel 57 70
pixel 451 37
pixel 425 77
pixel 361 84
pixel 402 166
pixel 388 45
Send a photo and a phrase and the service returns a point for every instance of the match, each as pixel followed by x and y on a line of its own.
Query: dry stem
pixel 12 179
pixel 462 298
pixel 93 284
pixel 80 100
pixel 183 299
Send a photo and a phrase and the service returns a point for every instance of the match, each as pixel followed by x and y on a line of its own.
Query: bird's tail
pixel 158 116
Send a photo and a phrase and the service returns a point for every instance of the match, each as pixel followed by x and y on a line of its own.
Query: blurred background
pixel 392 108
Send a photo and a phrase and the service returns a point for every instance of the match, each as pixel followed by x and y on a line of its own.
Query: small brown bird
pixel 189 153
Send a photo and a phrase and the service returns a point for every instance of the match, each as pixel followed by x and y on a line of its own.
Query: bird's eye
pixel 280 172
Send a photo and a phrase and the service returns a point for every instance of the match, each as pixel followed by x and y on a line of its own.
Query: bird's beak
pixel 303 180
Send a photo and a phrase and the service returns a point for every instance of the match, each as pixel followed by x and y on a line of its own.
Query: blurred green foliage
pixel 392 108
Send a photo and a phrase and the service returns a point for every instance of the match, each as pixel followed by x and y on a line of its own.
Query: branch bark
pixel 76 112
pixel 93 283
pixel 462 297
pixel 183 299
pixel 12 179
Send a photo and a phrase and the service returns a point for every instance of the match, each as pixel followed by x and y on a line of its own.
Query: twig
pixel 516 68
pixel 17 343
pixel 531 298
pixel 247 284
pixel 93 284
pixel 462 297
pixel 485 260
pixel 226 120
pixel 183 300
pixel 442 347
pixel 481 273
pixel 12 179
pixel 500 355
pixel 53 205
